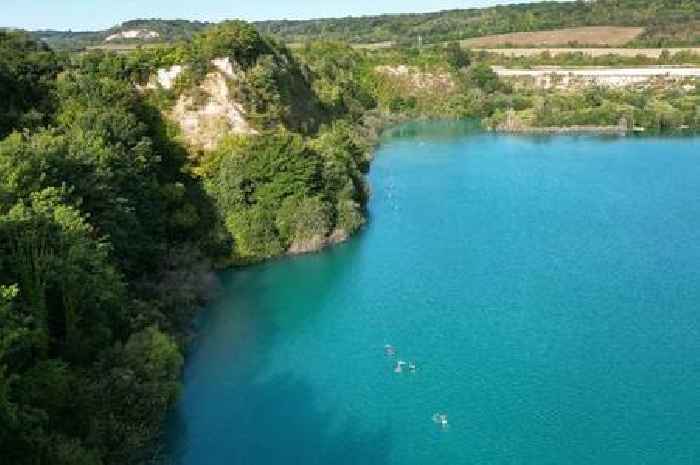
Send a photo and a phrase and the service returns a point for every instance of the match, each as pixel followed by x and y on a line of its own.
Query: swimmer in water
pixel 412 366
pixel 399 366
pixel 441 419
pixel 389 350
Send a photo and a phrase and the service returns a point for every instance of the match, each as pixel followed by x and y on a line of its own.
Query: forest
pixel 110 226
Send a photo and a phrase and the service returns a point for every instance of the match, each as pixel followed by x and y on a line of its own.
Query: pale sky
pixel 101 14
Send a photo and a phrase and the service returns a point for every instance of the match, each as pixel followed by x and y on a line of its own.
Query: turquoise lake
pixel 547 288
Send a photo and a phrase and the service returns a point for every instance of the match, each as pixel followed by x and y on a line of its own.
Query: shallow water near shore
pixel 548 289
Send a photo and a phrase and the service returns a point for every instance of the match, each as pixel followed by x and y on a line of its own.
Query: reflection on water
pixel 439 131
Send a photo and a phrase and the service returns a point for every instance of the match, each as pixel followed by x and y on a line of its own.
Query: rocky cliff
pixel 208 112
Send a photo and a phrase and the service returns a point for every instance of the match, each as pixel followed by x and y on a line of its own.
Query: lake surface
pixel 548 289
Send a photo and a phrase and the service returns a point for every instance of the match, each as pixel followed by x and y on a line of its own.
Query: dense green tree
pixel 11 330
pixel 64 273
pixel 483 77
pixel 253 177
pixel 236 40
pixel 303 220
pixel 456 56
pixel 90 210
pixel 136 384
pixel 27 70
pixel 340 78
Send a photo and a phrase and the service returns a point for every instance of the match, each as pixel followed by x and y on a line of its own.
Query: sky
pixel 79 15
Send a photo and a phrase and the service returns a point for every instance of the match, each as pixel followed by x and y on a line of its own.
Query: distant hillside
pixel 586 36
pixel 165 30
pixel 69 40
pixel 665 23
pixel 135 31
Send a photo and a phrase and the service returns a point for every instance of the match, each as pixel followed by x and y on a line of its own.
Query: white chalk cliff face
pixel 134 34
pixel 166 78
pixel 204 124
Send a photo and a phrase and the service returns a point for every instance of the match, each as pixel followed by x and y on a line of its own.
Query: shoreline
pixel 562 130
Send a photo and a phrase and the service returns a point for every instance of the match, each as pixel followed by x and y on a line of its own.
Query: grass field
pixel 599 35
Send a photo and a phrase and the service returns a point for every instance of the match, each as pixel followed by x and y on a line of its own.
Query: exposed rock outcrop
pixel 165 78
pixel 141 34
pixel 417 80
pixel 207 113
pixel 317 242
pixel 204 124
pixel 580 78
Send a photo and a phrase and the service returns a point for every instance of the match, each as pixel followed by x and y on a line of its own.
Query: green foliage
pixel 279 190
pixel 236 40
pixel 65 274
pixel 340 78
pixel 254 234
pixel 253 178
pixel 303 220
pixel 90 210
pixel 137 66
pixel 103 152
pixel 11 331
pixel 140 378
pixel 456 56
pixel 483 77
pixel 653 109
pixel 667 22
pixel 26 73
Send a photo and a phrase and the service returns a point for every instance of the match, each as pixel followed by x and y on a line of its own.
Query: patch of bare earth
pixel 594 35
pixel 208 112
pixel 204 124
pixel 413 80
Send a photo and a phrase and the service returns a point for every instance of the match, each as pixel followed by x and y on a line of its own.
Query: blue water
pixel 548 289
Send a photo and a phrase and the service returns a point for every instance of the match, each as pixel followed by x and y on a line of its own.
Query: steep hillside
pixel 112 217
